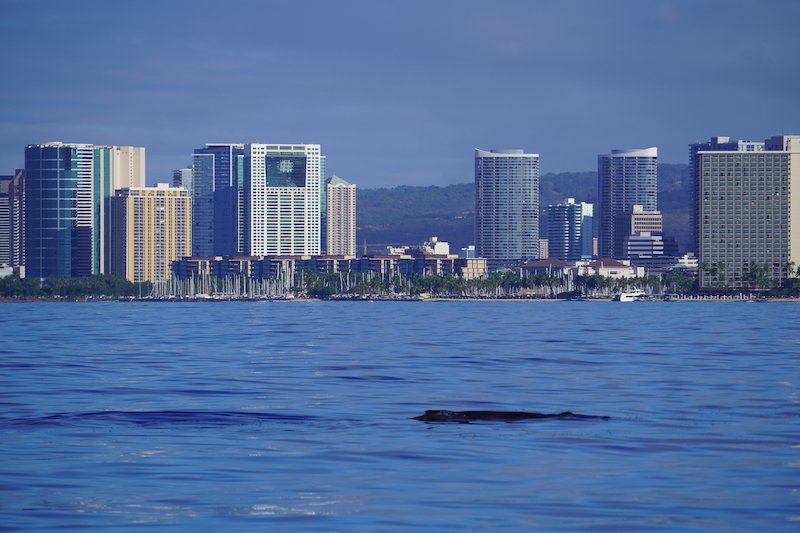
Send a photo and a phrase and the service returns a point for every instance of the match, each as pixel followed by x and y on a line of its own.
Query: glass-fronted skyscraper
pixel 283 184
pixel 68 187
pixel 506 206
pixel 625 178
pixel 569 230
pixel 218 215
pixel 58 210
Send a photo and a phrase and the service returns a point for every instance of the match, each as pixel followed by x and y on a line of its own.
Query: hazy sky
pixel 397 92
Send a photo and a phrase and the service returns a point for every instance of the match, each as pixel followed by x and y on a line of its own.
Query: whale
pixel 465 417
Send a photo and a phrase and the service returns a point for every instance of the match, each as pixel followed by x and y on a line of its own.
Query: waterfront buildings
pixel 67 190
pixel 12 220
pixel 340 215
pixel 150 227
pixel 218 222
pixel 715 144
pixel 506 206
pixel 386 266
pixel 609 268
pixel 569 231
pixel 748 212
pixel 625 178
pixel 283 203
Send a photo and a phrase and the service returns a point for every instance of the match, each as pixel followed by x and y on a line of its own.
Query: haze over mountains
pixel 410 214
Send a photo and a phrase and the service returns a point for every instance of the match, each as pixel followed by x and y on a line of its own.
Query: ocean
pixel 297 416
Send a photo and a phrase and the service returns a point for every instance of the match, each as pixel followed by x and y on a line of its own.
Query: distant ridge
pixel 410 214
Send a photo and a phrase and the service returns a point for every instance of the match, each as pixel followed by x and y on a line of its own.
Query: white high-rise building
pixel 283 184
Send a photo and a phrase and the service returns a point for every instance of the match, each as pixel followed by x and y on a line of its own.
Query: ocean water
pixel 296 416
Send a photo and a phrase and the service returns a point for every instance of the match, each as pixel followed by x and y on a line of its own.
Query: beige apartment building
pixel 341 217
pixel 150 228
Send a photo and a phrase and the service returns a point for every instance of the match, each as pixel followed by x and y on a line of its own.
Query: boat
pixel 628 297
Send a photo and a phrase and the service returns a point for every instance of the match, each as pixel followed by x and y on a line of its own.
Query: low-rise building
pixel 610 268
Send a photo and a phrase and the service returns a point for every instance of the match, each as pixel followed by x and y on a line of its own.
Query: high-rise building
pixel 67 190
pixel 58 210
pixel 12 219
pixel 283 184
pixel 182 177
pixel 340 217
pixel 150 228
pixel 748 213
pixel 625 178
pixel 715 144
pixel 569 230
pixel 115 167
pixel 506 206
pixel 637 221
pixel 218 215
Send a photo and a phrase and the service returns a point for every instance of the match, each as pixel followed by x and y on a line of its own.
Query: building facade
pixel 649 245
pixel 749 214
pixel 569 230
pixel 218 199
pixel 506 206
pixel 67 191
pixel 150 228
pixel 625 178
pixel 283 203
pixel 114 168
pixel 261 267
pixel 12 220
pixel 340 215
pixel 715 144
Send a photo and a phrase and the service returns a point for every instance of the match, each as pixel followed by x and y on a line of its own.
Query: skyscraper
pixel 67 189
pixel 715 144
pixel 150 228
pixel 218 200
pixel 115 167
pixel 12 219
pixel 340 217
pixel 506 206
pixel 182 177
pixel 625 178
pixel 283 184
pixel 748 213
pixel 569 230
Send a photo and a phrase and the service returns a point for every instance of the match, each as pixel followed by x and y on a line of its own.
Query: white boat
pixel 628 296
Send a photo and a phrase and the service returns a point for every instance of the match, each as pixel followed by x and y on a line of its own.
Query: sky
pixel 397 93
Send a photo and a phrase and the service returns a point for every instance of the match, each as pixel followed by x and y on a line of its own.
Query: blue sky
pixel 397 93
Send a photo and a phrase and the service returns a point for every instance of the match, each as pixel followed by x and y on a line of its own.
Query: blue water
pixel 296 416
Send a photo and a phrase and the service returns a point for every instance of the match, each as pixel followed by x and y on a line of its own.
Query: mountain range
pixel 412 214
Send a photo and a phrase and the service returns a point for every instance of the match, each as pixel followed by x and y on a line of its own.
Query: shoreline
pixel 379 299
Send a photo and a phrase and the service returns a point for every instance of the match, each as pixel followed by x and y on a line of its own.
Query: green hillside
pixel 410 215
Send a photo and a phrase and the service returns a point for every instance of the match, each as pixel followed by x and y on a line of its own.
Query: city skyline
pixel 387 83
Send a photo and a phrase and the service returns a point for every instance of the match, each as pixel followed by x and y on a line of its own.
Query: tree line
pixel 104 285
